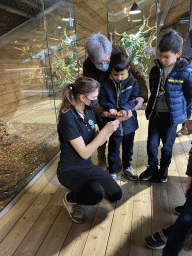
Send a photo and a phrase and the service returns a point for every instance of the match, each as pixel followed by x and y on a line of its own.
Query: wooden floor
pixel 38 224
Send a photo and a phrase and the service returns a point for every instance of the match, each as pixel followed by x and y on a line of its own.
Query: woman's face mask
pixel 93 102
pixel 102 67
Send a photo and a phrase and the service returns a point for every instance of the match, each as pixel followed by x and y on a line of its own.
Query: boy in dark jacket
pixel 96 66
pixel 169 104
pixel 116 96
pixel 173 238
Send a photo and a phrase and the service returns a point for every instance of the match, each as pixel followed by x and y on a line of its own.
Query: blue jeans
pixel 180 230
pixel 160 128
pixel 127 151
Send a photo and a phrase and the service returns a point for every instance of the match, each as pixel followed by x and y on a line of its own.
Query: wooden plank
pixel 100 230
pixel 87 10
pixel 119 237
pixel 8 221
pixel 28 219
pixel 98 7
pixel 38 232
pixel 77 236
pixel 56 236
pixel 13 106
pixel 25 84
pixel 89 24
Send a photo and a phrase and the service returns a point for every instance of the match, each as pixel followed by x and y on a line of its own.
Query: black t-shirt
pixel 72 126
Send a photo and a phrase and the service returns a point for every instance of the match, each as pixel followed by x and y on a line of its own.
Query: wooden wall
pixel 20 84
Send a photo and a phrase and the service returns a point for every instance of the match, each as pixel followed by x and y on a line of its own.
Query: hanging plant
pixel 135 44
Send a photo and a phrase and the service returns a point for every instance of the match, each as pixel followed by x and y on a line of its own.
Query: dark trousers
pixel 180 230
pixel 113 151
pixel 89 185
pixel 160 128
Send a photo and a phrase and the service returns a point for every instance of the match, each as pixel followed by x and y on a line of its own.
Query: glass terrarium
pixel 37 58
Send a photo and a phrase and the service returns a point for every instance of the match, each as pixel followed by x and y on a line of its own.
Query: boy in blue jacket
pixel 169 104
pixel 172 239
pixel 116 96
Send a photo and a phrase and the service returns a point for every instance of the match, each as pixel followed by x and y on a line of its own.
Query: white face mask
pixel 104 67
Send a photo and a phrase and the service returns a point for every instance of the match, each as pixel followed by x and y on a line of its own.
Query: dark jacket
pixel 189 165
pixel 110 98
pixel 179 90
pixel 90 70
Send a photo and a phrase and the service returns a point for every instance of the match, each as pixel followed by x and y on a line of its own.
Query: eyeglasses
pixel 101 62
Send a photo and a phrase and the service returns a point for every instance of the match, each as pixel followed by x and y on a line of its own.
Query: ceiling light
pixel 66 19
pixel 135 9
pixel 184 19
pixel 137 20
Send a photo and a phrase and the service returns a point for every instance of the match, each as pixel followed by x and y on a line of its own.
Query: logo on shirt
pixel 91 123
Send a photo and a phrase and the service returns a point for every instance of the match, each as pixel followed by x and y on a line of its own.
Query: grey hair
pixel 98 46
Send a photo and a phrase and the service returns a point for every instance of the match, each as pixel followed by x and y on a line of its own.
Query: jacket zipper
pixel 118 95
pixel 153 106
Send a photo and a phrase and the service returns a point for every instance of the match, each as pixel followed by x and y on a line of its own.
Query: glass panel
pixel 37 58
pixel 135 32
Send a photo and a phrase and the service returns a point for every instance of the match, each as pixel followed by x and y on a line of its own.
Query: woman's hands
pixel 122 118
pixel 112 126
pixel 120 115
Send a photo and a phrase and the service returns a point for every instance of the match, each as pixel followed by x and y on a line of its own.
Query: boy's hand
pixel 106 114
pixel 139 101
pixel 124 117
pixel 121 113
pixel 113 111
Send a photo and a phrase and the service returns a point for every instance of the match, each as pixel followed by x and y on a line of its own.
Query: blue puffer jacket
pixel 179 90
pixel 111 98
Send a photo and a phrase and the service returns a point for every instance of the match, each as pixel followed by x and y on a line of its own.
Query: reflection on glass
pixel 37 59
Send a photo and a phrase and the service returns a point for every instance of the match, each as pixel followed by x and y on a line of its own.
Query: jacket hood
pixel 182 62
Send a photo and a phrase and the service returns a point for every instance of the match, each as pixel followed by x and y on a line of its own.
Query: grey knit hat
pixel 97 47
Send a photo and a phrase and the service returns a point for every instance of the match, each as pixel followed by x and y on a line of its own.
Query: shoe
pixel 130 173
pixel 76 211
pixel 162 175
pixel 113 175
pixel 178 209
pixel 148 173
pixel 156 241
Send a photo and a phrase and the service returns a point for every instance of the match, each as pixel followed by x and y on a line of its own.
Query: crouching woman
pixel 79 138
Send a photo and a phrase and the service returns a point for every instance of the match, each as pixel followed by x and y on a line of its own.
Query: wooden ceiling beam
pixel 16 11
pixel 164 14
pixel 26 26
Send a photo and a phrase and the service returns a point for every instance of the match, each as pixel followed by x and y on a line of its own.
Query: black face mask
pixel 93 103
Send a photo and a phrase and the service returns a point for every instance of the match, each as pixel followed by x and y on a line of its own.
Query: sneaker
pixel 148 173
pixel 76 211
pixel 162 175
pixel 113 175
pixel 130 173
pixel 178 209
pixel 156 241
